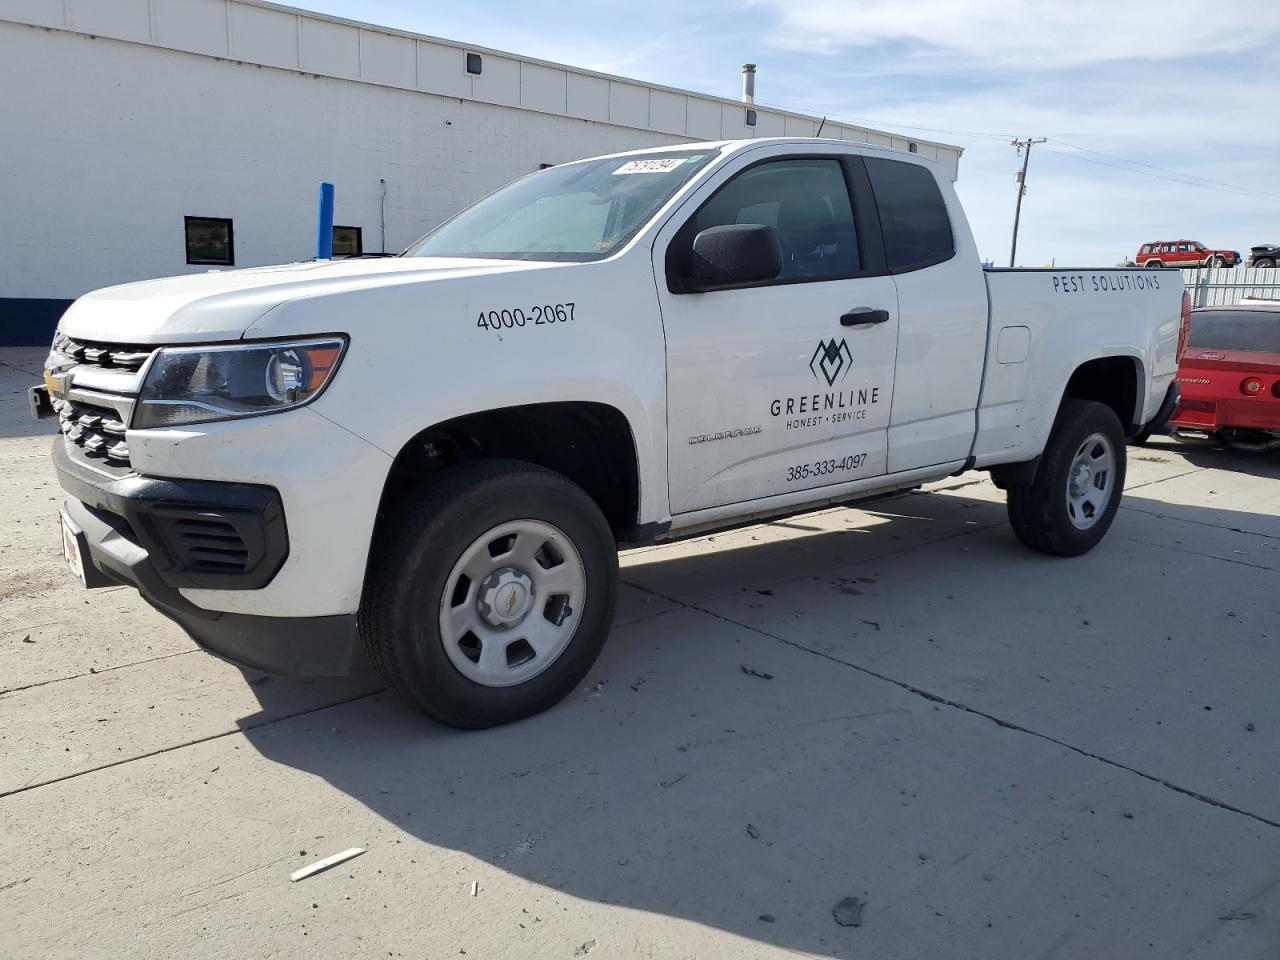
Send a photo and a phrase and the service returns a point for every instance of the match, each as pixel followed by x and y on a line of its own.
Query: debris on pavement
pixel 1238 915
pixel 848 912
pixel 752 832
pixel 872 623
pixel 752 672
pixel 672 781
pixel 1250 727
pixel 475 888
pixel 767 917
pixel 321 865
pixel 27 639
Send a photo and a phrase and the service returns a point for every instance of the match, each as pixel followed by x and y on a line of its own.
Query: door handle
pixel 864 315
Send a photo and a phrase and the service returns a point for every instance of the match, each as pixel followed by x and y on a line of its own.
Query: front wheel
pixel 490 595
pixel 1071 503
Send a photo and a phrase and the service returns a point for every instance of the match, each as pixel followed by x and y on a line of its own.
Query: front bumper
pixel 131 532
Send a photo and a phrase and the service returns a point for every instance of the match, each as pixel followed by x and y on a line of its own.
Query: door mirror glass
pixel 734 254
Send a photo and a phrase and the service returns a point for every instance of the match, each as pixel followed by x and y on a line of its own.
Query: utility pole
pixel 1022 145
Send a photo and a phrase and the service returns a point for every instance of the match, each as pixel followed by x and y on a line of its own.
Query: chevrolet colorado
pixel 440 454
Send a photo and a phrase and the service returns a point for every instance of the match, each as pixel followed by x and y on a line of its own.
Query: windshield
pixel 577 212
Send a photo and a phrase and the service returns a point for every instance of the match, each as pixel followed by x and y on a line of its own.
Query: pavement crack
pixel 94 673
pixel 998 721
pixel 36 785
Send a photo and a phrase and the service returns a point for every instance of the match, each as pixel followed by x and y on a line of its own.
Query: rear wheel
pixel 490 596
pixel 1071 503
pixel 1153 264
pixel 1264 263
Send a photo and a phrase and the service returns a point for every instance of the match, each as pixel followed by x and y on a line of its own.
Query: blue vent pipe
pixel 324 228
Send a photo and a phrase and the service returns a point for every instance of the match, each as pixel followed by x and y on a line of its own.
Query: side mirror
pixel 733 254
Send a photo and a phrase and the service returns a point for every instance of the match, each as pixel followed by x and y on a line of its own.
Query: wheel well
pixel 590 443
pixel 1112 381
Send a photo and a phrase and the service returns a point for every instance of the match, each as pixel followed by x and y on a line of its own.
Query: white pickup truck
pixel 440 454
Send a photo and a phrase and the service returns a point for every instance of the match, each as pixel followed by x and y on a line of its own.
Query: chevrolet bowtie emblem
pixel 59 384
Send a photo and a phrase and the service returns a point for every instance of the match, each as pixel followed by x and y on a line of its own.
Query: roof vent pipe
pixel 749 83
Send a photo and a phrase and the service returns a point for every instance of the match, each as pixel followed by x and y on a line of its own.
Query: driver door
pixel 782 385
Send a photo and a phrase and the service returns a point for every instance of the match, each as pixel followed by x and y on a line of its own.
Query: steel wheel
pixel 512 603
pixel 1090 481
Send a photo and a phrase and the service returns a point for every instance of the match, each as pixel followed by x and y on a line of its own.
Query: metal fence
pixel 1217 286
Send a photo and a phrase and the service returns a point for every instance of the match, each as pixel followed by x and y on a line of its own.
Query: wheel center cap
pixel 1081 477
pixel 505 597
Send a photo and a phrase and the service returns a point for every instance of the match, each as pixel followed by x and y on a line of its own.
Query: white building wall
pixel 120 117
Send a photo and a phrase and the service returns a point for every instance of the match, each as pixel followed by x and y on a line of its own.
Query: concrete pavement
pixel 1002 754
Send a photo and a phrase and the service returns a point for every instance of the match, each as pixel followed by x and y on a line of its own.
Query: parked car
pixel 1264 255
pixel 1184 254
pixel 439 454
pixel 1230 376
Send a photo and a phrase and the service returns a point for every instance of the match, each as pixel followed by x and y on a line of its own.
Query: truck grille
pixel 97 432
pixel 105 381
pixel 110 356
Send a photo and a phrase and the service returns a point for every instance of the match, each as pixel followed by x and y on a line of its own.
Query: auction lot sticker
pixel 665 165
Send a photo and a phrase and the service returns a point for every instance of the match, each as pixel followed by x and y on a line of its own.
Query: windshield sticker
pixel 649 166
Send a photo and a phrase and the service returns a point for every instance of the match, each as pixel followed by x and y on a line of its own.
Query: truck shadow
pixel 709 772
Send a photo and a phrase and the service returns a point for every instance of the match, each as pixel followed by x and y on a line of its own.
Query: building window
pixel 209 240
pixel 348 242
pixel 473 63
pixel 912 148
pixel 751 118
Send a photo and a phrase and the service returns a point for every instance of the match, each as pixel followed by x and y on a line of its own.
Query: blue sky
pixel 1158 92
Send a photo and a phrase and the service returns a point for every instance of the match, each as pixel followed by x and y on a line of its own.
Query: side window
pixel 913 215
pixel 1167 248
pixel 1184 248
pixel 806 201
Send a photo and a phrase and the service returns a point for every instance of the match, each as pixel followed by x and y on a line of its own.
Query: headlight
pixel 199 384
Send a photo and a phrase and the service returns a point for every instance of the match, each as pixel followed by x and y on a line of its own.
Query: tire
pixel 1153 264
pixel 1216 262
pixel 442 631
pixel 1265 262
pixel 1044 514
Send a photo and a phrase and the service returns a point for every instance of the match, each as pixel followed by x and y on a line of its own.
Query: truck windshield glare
pixel 576 212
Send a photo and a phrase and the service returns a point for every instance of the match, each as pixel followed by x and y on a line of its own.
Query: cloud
pixel 1033 35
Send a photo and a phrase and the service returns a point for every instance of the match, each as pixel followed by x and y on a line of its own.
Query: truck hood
pixel 222 305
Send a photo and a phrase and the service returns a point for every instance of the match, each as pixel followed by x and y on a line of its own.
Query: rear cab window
pixel 913 215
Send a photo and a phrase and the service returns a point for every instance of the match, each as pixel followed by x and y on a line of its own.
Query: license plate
pixel 71 549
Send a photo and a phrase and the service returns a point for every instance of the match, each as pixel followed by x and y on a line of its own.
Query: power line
pixel 1159 173
pixel 1149 166
pixel 1204 185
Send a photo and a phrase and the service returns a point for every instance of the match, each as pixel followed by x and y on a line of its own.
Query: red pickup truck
pixel 1184 254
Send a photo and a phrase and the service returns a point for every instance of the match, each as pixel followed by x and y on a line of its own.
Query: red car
pixel 1184 254
pixel 1230 376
